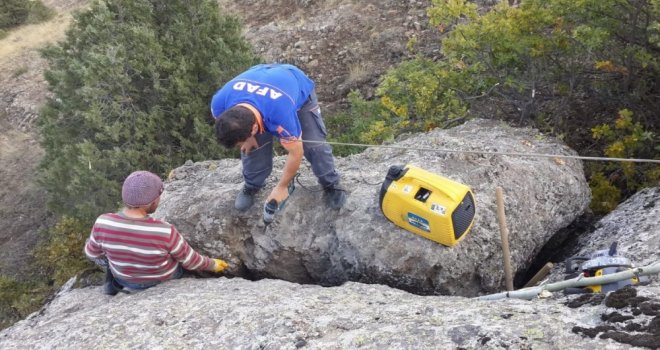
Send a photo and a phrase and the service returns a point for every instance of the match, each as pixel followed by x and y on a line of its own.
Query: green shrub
pixel 13 13
pixel 556 65
pixel 421 94
pixel 62 255
pixel 16 12
pixel 562 66
pixel 604 196
pixel 19 299
pixel 38 12
pixel 624 138
pixel 551 55
pixel 367 122
pixel 131 87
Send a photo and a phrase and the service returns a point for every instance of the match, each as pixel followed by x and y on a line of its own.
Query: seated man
pixel 138 251
pixel 275 100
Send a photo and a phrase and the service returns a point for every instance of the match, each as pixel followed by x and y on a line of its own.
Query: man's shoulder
pixel 108 216
pixel 115 218
pixel 158 221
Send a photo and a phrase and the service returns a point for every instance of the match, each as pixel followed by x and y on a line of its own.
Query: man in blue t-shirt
pixel 274 100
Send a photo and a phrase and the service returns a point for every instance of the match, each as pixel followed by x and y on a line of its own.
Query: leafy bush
pixel 364 123
pixel 420 94
pixel 16 12
pixel 562 66
pixel 131 83
pixel 13 13
pixel 625 138
pixel 555 59
pixel 38 12
pixel 63 255
pixel 18 299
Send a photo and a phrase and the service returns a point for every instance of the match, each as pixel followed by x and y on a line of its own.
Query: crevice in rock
pixel 559 247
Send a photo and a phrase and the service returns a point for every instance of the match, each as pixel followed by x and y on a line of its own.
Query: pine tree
pixel 131 85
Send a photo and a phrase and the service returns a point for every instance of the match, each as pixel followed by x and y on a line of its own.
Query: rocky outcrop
pixel 270 314
pixel 309 243
pixel 634 225
pixel 234 313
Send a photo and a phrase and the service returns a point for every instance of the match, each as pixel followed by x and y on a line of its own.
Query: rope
pixel 513 154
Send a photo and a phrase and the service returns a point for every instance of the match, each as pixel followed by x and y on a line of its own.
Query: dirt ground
pixel 22 208
pixel 342 44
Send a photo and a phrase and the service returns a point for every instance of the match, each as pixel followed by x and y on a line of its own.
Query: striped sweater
pixel 142 250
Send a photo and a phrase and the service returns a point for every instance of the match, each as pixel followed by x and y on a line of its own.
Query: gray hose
pixel 531 293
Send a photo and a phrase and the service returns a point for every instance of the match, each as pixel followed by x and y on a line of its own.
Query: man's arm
pixel 93 250
pixel 293 159
pixel 190 259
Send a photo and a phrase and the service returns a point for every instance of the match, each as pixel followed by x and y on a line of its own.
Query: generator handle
pixel 430 186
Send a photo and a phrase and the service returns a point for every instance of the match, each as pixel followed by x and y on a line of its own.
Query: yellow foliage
pixel 616 150
pixel 605 196
pixel 608 66
pixel 624 120
pixel 399 111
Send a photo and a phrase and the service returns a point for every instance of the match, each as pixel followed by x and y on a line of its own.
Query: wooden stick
pixel 540 275
pixel 504 233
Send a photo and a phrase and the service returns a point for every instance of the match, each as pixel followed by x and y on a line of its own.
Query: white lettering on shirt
pixel 252 87
pixel 257 89
pixel 262 91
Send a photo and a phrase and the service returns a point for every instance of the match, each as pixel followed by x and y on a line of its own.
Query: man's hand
pixel 279 194
pixel 219 266
pixel 248 145
pixel 281 190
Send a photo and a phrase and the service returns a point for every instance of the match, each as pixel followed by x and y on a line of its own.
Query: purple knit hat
pixel 141 188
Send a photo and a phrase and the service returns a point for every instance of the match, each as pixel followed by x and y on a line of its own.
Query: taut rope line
pixel 513 154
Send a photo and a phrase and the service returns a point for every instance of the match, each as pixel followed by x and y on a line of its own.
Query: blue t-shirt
pixel 277 91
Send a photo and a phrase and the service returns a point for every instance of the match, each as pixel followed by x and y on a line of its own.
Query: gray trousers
pixel 258 165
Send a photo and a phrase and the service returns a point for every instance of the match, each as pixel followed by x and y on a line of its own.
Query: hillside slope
pixel 23 91
pixel 343 44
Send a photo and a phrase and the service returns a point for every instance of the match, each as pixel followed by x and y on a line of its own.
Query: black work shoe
pixel 335 197
pixel 245 198
pixel 111 286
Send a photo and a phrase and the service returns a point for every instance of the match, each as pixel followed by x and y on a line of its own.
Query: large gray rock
pixel 273 314
pixel 634 225
pixel 309 243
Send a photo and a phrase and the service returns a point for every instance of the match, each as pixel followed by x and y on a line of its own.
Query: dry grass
pixel 358 72
pixel 33 36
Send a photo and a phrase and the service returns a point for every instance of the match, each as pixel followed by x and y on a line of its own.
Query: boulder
pixel 221 313
pixel 634 225
pixel 310 243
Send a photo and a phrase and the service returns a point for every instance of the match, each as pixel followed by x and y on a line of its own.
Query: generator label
pixel 419 222
pixel 438 209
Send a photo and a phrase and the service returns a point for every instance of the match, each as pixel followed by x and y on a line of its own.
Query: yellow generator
pixel 427 204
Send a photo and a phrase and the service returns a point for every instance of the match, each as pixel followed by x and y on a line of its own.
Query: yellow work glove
pixel 219 265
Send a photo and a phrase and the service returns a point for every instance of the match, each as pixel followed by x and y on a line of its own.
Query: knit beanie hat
pixel 141 188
